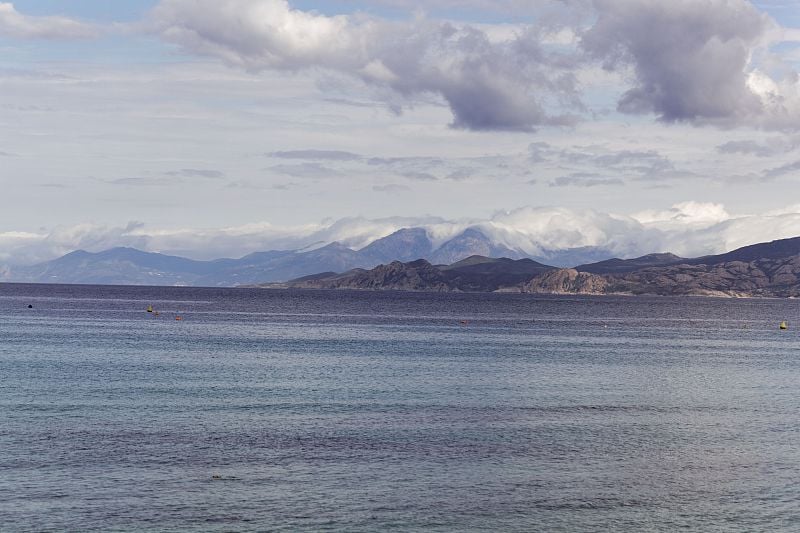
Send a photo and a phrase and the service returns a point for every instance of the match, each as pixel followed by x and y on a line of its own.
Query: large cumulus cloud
pixel 489 84
pixel 693 61
pixel 690 60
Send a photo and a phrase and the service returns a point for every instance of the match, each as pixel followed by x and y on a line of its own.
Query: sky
pixel 221 127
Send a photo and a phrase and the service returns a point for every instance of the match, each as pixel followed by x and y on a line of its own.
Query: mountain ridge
pixel 758 269
pixel 130 266
pixel 776 274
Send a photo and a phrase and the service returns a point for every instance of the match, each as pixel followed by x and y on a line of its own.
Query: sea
pixel 288 410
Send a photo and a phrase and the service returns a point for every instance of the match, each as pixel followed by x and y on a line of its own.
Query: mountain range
pixel 408 260
pixel 129 266
pixel 767 269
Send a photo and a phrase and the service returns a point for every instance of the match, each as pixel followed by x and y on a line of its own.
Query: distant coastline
pixel 769 270
pixel 288 286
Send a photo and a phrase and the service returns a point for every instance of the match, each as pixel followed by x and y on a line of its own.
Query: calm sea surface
pixel 360 411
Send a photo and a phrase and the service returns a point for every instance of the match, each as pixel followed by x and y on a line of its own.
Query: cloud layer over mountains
pixel 689 229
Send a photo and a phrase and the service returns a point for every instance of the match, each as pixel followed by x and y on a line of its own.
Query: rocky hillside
pixel 773 275
pixel 417 275
pixel 762 277
pixel 618 266
pixel 474 274
pixel 566 281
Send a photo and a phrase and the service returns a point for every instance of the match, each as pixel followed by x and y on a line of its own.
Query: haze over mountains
pixel 471 261
pixel 126 266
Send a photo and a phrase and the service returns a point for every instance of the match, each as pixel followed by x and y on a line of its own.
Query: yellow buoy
pixel 149 308
pixel 784 325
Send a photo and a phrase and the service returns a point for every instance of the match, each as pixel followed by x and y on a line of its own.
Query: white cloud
pixel 694 61
pixel 694 215
pixel 689 229
pixel 15 24
pixel 32 247
pixel 702 62
pixel 490 82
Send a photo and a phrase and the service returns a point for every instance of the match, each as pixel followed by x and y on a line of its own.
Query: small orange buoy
pixel 178 318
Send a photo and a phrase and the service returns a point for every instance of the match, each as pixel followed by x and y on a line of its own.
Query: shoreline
pixel 283 286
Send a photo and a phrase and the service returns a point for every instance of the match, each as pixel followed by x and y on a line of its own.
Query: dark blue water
pixel 359 411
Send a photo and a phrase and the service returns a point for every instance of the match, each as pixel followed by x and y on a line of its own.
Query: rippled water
pixel 283 410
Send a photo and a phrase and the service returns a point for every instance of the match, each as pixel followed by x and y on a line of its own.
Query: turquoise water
pixel 360 411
